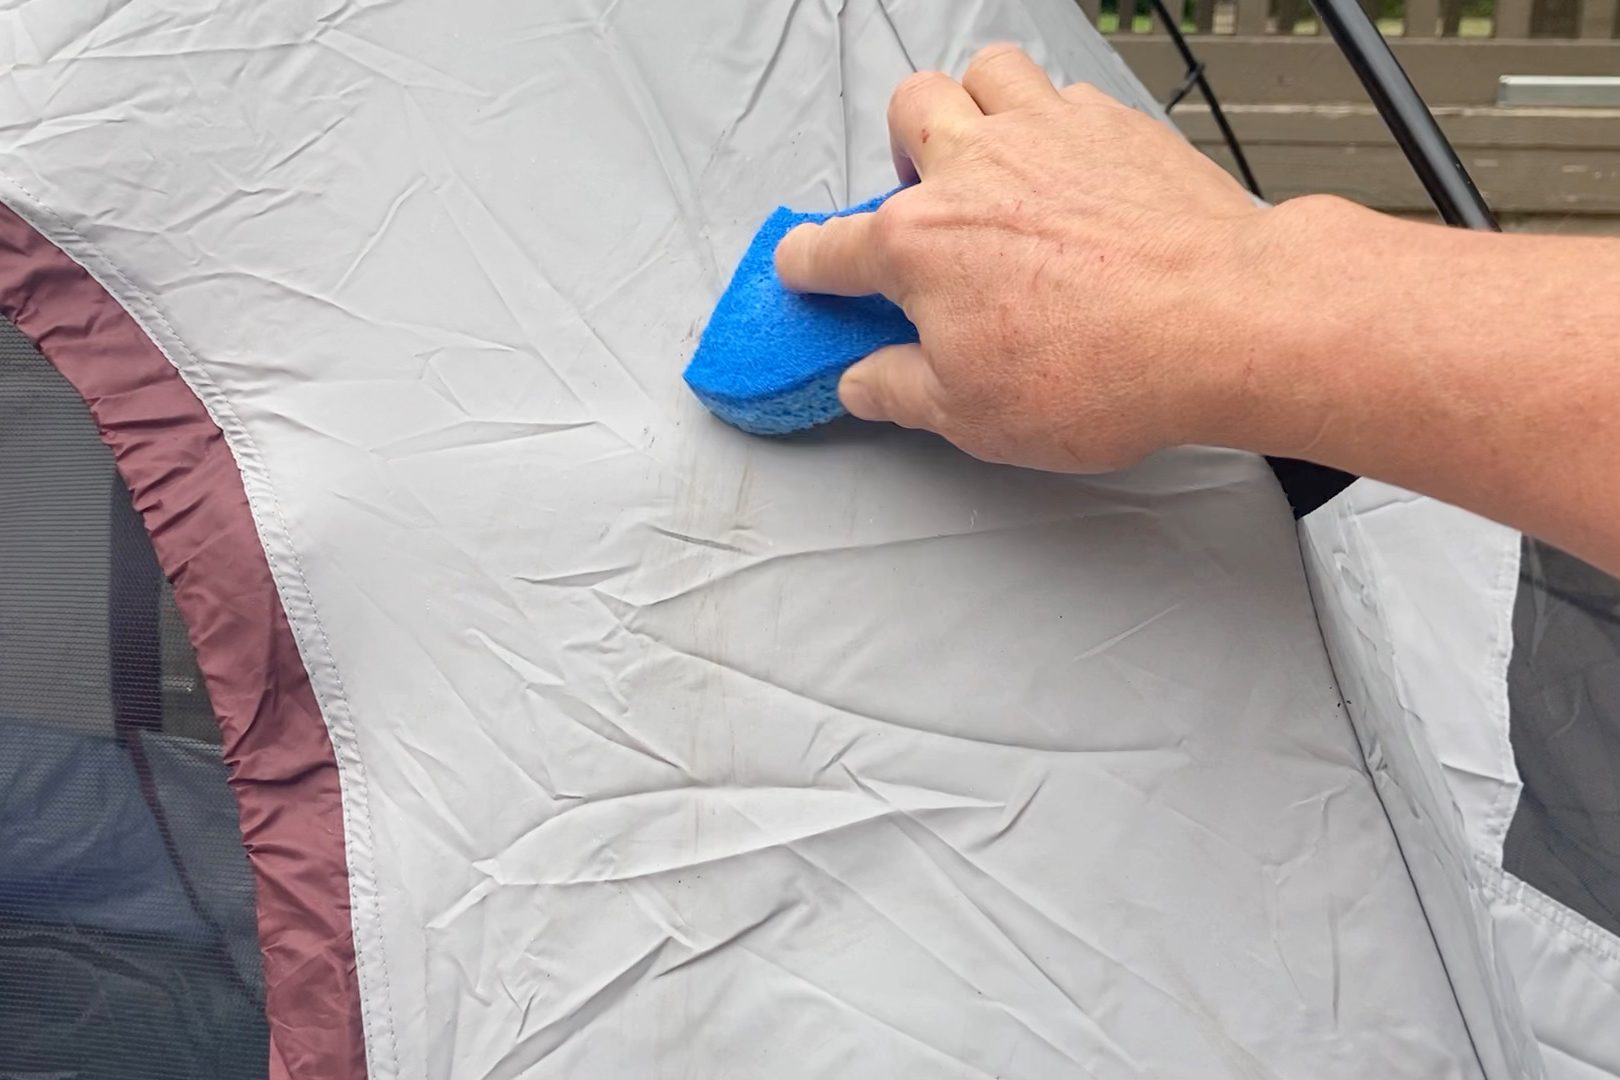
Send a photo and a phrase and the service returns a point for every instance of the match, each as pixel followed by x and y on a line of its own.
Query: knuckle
pixel 922 416
pixel 913 90
pixel 1084 93
pixel 893 222
pixel 938 417
pixel 993 54
pixel 897 229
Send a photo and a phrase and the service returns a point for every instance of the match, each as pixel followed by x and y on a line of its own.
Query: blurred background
pixel 1544 148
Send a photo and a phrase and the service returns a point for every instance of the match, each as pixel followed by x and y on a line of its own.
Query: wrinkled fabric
pixel 1394 654
pixel 1420 602
pixel 1568 971
pixel 667 751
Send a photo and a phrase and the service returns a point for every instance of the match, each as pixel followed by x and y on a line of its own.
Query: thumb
pixel 897 384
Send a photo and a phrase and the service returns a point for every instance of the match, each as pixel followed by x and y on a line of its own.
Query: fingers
pixel 926 109
pixel 897 384
pixel 839 256
pixel 1003 77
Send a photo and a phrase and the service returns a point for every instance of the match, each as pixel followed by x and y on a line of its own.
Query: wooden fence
pixel 1513 20
pixel 1306 126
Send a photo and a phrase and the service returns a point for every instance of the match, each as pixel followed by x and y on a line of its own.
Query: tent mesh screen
pixel 127 942
pixel 1564 698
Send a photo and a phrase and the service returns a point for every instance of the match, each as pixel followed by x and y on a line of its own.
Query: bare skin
pixel 1088 289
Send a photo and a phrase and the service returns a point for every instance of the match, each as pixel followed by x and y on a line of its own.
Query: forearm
pixel 1481 369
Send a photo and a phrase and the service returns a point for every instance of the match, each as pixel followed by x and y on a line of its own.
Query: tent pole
pixel 1309 485
pixel 1407 117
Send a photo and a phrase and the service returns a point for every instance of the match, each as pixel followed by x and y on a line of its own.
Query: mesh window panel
pixel 1564 696
pixel 127 942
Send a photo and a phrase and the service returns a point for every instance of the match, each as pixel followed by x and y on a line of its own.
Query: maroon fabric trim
pixel 189 493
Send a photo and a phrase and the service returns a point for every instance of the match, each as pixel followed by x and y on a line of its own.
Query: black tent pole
pixel 1307 484
pixel 1408 118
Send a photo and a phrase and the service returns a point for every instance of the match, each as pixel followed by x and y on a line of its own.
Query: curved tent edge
pixel 188 489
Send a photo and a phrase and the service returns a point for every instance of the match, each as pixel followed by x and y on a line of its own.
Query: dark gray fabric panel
pixel 1564 693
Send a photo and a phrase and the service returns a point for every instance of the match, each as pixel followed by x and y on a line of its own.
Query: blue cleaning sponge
pixel 770 359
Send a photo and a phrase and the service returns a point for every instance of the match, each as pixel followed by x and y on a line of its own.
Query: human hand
pixel 1068 262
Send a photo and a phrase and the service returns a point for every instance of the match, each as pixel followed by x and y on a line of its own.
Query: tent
pixel 564 732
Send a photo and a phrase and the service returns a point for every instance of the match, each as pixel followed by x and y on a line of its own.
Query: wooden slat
pixel 1422 18
pixel 1287 15
pixel 1512 19
pixel 1556 162
pixel 1573 131
pixel 1091 9
pixel 1555 18
pixel 1380 177
pixel 1127 17
pixel 1598 18
pixel 1450 18
pixel 1251 16
pixel 1300 70
pixel 1204 16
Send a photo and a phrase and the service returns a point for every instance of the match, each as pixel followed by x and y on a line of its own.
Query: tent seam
pixel 341 730
pixel 1575 928
pixel 1506 801
pixel 1400 848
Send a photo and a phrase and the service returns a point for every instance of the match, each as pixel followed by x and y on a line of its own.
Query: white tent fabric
pixel 1429 590
pixel 671 751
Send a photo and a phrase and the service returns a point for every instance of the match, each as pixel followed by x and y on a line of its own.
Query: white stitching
pixel 1581 931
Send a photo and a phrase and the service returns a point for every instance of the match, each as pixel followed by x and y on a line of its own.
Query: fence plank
pixel 1287 15
pixel 1555 19
pixel 1127 17
pixel 1597 18
pixel 1524 164
pixel 1251 16
pixel 1091 9
pixel 1512 18
pixel 1422 18
pixel 1204 16
pixel 1300 70
pixel 1450 18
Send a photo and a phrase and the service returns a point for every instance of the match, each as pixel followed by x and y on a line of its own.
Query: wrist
pixel 1303 290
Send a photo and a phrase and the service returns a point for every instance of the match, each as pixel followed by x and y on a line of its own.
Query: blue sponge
pixel 770 359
